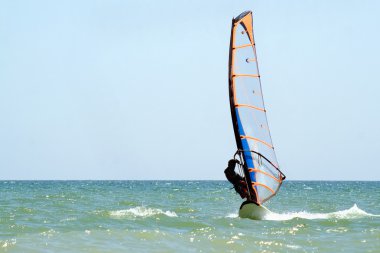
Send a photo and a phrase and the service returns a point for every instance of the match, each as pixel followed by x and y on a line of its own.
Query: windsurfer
pixel 238 181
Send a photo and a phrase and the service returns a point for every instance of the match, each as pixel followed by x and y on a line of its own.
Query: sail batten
pixel 248 112
pixel 250 106
pixel 245 75
pixel 256 139
pixel 243 46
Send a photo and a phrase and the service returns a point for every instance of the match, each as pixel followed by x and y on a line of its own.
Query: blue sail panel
pixel 247 154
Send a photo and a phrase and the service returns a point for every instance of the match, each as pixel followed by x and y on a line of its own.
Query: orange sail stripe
pixel 255 139
pixel 250 60
pixel 243 46
pixel 245 75
pixel 250 106
pixel 263 185
pixel 265 173
pixel 233 63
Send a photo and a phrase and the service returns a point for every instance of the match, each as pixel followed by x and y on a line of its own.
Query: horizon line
pixel 293 180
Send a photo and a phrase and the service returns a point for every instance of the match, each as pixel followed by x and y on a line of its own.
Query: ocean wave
pixel 141 211
pixel 352 213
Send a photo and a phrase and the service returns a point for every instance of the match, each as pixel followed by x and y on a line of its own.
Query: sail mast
pixel 239 145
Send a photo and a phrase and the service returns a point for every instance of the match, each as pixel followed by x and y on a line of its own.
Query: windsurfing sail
pixel 253 139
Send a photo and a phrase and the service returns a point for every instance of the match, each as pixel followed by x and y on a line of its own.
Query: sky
pixel 139 89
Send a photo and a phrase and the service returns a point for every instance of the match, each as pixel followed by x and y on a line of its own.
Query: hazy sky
pixel 139 89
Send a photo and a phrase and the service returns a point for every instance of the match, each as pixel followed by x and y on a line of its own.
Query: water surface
pixel 185 216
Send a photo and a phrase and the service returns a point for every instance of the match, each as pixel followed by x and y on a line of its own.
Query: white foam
pixel 293 246
pixel 141 211
pixel 352 213
pixel 68 219
pixel 8 243
pixel 232 215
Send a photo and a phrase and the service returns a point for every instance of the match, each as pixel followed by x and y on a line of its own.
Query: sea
pixel 186 216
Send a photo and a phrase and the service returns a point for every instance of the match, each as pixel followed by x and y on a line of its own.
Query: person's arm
pixel 230 172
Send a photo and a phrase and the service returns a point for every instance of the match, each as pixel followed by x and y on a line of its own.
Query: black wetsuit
pixel 235 179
